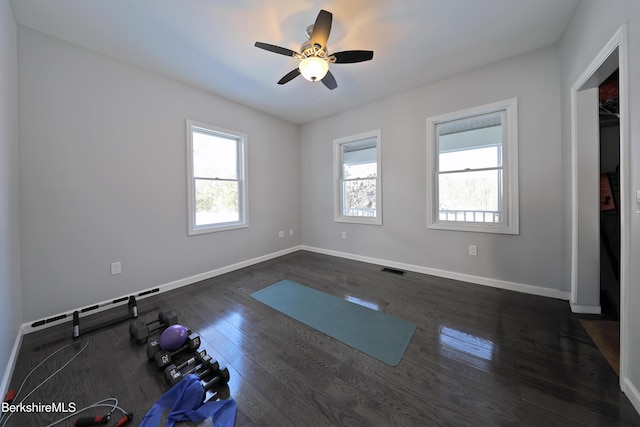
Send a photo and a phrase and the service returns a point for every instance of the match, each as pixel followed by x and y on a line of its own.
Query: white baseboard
pixel 28 328
pixel 502 284
pixel 227 269
pixel 519 287
pixel 495 283
pixel 629 388
pixel 8 372
pixel 632 393
pixel 585 309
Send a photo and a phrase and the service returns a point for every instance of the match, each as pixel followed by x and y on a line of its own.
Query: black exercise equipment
pixel 92 421
pixel 125 419
pixel 220 392
pixel 206 370
pixel 153 346
pixel 163 357
pixel 102 419
pixel 200 364
pixel 133 313
pixel 139 330
pixel 221 378
pixel 216 388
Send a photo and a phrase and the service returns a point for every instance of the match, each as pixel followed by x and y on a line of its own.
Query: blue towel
pixel 185 400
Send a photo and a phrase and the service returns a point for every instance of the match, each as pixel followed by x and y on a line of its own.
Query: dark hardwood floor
pixel 479 357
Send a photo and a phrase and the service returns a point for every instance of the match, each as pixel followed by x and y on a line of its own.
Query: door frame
pixel 613 55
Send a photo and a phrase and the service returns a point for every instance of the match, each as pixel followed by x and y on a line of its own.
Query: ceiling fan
pixel 314 56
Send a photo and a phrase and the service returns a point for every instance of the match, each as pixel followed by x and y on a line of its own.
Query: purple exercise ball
pixel 173 337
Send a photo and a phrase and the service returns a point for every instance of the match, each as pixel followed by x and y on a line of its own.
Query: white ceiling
pixel 210 43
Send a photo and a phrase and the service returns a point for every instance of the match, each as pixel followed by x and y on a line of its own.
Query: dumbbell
pixel 203 370
pixel 140 331
pixel 221 378
pixel 220 393
pixel 163 357
pixel 153 346
pixel 175 373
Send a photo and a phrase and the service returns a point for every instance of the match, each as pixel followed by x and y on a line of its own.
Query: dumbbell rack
pixel 140 330
pixel 214 378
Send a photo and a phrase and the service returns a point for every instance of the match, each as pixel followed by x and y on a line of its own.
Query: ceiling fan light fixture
pixel 314 56
pixel 313 68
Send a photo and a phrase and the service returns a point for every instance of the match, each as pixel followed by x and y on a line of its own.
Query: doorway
pixel 589 254
pixel 604 330
pixel 609 116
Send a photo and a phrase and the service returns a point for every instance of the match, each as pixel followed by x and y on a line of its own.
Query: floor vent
pixel 394 271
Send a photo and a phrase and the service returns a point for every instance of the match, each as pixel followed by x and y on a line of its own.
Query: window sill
pixel 474 227
pixel 359 220
pixel 204 229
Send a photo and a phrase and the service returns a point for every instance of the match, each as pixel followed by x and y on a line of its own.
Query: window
pixel 217 179
pixel 473 169
pixel 357 174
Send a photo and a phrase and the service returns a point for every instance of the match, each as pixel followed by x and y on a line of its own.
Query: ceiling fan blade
pixel 277 49
pixel 329 81
pixel 321 29
pixel 352 56
pixel 290 76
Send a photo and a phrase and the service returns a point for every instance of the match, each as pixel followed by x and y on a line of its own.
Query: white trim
pixel 625 209
pixel 13 358
pixel 496 283
pixel 27 328
pixel 337 174
pixel 618 41
pixel 510 199
pixel 585 309
pixel 479 280
pixel 632 393
pixel 501 284
pixel 574 194
pixel 628 387
pixel 242 172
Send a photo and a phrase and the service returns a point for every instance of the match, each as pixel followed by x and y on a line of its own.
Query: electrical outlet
pixel 291 232
pixel 473 250
pixel 116 268
pixel 280 234
pixel 344 234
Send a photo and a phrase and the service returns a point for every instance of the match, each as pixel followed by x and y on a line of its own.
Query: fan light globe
pixel 313 68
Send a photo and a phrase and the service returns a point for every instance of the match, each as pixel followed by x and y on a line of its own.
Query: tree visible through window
pixel 359 181
pixel 357 173
pixel 216 179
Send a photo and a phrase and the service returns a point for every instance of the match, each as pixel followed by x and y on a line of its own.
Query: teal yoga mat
pixel 377 334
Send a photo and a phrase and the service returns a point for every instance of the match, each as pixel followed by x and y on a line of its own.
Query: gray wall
pixel 533 258
pixel 103 178
pixel 593 25
pixel 10 317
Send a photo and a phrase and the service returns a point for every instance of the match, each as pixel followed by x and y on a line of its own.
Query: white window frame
pixel 338 181
pixel 510 210
pixel 241 141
